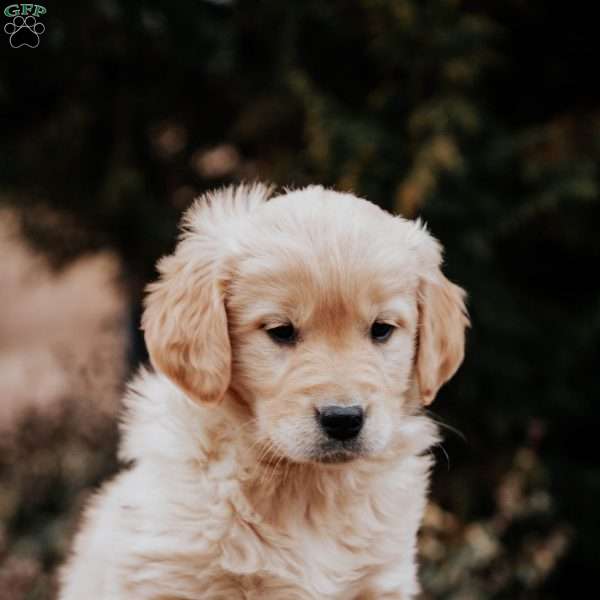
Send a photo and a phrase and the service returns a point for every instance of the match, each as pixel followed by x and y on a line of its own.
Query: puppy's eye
pixel 380 332
pixel 284 334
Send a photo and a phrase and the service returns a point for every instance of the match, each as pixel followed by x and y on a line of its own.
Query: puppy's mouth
pixel 338 452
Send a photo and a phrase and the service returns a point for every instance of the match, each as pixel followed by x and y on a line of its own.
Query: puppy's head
pixel 325 315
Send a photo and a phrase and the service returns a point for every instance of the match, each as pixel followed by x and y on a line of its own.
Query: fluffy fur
pixel 234 493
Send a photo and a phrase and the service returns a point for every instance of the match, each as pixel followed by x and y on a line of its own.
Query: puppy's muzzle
pixel 341 423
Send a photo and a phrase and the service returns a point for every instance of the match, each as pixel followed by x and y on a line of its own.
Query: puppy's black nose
pixel 341 422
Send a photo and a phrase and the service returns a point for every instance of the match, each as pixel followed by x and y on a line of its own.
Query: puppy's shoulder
pixel 159 423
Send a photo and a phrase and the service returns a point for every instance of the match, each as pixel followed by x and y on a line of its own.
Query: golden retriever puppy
pixel 279 451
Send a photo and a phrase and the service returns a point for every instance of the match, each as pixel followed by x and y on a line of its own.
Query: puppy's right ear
pixel 185 321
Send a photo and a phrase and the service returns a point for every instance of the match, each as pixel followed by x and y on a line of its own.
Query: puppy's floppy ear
pixel 443 318
pixel 441 334
pixel 185 321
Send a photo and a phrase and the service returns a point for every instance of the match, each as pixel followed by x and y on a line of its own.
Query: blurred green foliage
pixel 481 117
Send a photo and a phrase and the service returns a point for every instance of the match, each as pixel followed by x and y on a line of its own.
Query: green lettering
pixel 26 8
pixel 39 10
pixel 12 10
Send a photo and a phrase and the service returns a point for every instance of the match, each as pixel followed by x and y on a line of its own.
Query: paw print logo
pixel 24 31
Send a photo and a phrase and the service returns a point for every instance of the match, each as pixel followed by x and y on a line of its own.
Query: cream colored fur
pixel 230 494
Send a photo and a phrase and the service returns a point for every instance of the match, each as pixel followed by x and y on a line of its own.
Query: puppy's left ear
pixel 440 342
pixel 441 335
pixel 185 321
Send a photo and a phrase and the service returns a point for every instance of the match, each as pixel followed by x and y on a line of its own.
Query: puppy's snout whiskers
pixel 272 457
pixel 437 420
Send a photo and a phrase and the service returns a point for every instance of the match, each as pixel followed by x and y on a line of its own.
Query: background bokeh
pixel 481 117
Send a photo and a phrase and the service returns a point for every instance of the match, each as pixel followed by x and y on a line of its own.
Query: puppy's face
pixel 325 316
pixel 323 338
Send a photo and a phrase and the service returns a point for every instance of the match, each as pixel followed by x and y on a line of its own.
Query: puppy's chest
pixel 327 552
